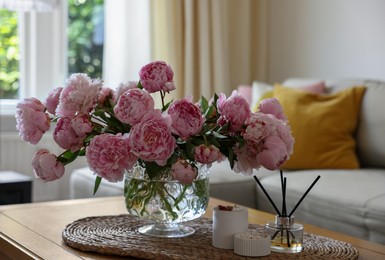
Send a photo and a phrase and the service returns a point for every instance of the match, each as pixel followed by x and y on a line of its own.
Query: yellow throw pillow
pixel 323 126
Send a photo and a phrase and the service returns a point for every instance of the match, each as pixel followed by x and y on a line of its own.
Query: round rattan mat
pixel 117 235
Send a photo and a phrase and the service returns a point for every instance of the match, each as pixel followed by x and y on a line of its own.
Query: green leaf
pixel 212 140
pixel 217 135
pixel 197 141
pixel 152 169
pixel 115 123
pixel 82 152
pixel 139 85
pixel 88 138
pixel 231 157
pixel 100 113
pixel 98 180
pixel 204 104
pixel 224 128
pixel 67 157
pixel 190 150
pixel 166 106
pixel 209 112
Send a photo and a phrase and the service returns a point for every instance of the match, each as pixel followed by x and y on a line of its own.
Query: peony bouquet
pixel 116 129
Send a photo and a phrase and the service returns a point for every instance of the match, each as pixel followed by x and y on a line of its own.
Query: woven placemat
pixel 117 235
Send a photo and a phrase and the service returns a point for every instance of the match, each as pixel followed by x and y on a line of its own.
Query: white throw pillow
pixel 259 88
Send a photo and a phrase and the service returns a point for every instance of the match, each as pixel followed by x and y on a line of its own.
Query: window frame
pixel 43 55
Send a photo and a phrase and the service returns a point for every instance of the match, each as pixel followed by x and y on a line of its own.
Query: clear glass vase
pixel 166 202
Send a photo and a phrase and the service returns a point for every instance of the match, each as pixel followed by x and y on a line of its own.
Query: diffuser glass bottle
pixel 286 236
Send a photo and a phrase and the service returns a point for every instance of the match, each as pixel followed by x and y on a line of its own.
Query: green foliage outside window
pixel 9 55
pixel 86 37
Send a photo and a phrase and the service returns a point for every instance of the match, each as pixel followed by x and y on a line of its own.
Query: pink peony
pixel 46 166
pixel 133 105
pixel 151 139
pixel 207 154
pixel 268 139
pixel 32 121
pixel 284 132
pixel 187 119
pixel 81 124
pixel 123 87
pixel 246 160
pixel 274 153
pixel 234 110
pixel 273 107
pixel 109 156
pixel 157 76
pixel 184 172
pixel 79 95
pixel 259 126
pixel 66 137
pixel 104 95
pixel 53 100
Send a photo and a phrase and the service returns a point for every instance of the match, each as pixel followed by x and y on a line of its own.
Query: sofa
pixel 350 195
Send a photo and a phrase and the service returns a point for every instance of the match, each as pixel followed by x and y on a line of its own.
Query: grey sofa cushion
pixel 370 134
pixel 82 185
pixel 375 218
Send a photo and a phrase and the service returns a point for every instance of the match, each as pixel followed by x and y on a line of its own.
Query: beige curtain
pixel 212 45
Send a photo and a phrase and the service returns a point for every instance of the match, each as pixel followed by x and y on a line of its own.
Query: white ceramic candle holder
pixel 227 223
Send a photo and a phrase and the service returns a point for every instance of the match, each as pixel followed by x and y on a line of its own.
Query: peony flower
pixel 53 100
pixel 246 160
pixel 104 95
pixel 151 139
pixel 268 139
pixel 81 124
pixel 110 155
pixel 46 166
pixel 284 132
pixel 133 105
pixel 187 119
pixel 31 120
pixel 66 137
pixel 157 76
pixel 79 95
pixel 207 154
pixel 273 107
pixel 123 87
pixel 258 127
pixel 234 110
pixel 183 172
pixel 274 153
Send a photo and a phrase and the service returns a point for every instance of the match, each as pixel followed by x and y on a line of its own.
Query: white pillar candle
pixel 252 244
pixel 227 223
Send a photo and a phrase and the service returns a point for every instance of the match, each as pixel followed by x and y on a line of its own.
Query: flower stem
pixel 162 95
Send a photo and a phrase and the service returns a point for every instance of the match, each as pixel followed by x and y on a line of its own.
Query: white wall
pixel 326 39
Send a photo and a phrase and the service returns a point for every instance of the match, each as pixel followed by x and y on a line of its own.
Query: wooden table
pixel 33 231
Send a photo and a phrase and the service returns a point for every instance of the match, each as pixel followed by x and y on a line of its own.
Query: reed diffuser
pixel 286 236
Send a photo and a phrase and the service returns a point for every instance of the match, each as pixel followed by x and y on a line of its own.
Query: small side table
pixel 15 188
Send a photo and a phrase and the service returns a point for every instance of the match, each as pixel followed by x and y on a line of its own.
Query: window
pixel 65 39
pixel 41 51
pixel 86 37
pixel 56 42
pixel 9 55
